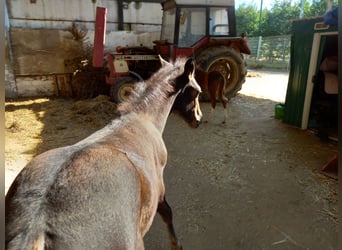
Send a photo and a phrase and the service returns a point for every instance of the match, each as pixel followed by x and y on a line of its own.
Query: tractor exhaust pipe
pixel 99 37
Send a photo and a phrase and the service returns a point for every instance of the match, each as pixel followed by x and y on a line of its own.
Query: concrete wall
pixel 39 41
pixel 10 83
pixel 59 14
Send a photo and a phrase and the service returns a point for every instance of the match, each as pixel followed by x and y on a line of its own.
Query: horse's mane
pixel 157 88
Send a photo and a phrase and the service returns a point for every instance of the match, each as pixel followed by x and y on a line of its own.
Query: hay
pixel 36 125
pixel 100 104
pixel 253 74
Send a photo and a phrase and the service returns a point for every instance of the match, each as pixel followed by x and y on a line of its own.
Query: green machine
pixel 312 92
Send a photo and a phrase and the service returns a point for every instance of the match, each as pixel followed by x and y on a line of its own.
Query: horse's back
pixel 91 202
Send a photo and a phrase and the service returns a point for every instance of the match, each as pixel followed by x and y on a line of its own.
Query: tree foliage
pixel 246 17
pixel 276 20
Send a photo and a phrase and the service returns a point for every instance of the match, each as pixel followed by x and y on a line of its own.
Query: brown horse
pixel 213 82
pixel 104 191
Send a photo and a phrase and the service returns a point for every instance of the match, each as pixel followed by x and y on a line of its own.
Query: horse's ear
pixel 163 62
pixel 189 66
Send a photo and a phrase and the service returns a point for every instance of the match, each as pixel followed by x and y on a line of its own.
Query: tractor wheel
pixel 227 61
pixel 120 91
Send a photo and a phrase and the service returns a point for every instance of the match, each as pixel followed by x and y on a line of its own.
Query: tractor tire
pixel 229 63
pixel 121 90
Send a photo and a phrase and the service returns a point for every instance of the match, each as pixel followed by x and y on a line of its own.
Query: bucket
pixel 279 111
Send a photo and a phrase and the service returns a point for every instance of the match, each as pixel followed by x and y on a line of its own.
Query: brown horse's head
pixel 187 103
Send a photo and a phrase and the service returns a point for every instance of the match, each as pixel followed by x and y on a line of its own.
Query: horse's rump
pixel 92 202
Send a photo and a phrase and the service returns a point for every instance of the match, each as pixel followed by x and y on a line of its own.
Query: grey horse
pixel 104 191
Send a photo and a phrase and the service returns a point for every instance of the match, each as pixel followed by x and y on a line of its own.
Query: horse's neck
pixel 158 114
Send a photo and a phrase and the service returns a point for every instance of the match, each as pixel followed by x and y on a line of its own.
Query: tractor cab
pixel 187 26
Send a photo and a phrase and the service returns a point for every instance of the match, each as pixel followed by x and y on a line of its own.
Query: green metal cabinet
pixel 306 45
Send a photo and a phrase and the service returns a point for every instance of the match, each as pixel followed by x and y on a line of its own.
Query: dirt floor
pixel 253 183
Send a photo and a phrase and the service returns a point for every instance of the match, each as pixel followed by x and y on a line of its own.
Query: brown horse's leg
pixel 212 89
pixel 223 99
pixel 166 213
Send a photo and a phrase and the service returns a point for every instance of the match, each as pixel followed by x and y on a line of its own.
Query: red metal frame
pixel 188 52
pixel 99 38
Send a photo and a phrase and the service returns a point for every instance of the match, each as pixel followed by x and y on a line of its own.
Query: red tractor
pixel 205 31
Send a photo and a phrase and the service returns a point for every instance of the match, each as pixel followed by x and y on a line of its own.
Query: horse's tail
pixel 27 232
pixel 26 227
pixel 29 242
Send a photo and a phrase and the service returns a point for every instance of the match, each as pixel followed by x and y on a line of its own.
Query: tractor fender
pixel 136 75
pixel 121 89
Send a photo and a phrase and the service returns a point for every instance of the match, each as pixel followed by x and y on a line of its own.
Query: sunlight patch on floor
pixel 266 85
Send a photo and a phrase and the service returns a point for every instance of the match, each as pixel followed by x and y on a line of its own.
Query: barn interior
pixel 255 182
pixel 323 117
